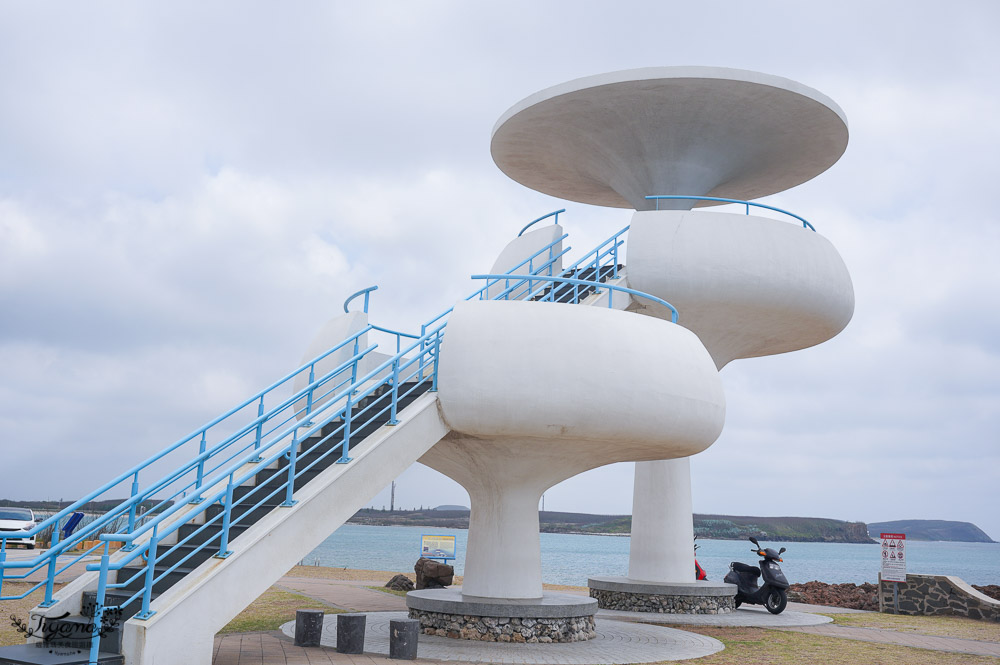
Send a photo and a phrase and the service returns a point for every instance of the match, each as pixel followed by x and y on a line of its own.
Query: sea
pixel 572 558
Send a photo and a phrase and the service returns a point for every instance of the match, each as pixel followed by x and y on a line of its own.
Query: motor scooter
pixel 699 572
pixel 773 593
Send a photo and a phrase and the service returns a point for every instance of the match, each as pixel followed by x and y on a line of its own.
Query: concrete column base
pixel 628 595
pixel 554 617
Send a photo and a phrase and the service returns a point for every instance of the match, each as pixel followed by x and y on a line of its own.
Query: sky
pixel 189 190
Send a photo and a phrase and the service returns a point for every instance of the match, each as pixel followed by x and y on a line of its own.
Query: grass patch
pixel 395 592
pixel 17 608
pixel 937 626
pixel 273 608
pixel 759 646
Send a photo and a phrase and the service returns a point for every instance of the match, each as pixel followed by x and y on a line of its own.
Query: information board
pixel 437 547
pixel 893 557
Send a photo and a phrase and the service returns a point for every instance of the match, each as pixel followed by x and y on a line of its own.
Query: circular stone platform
pixel 615 138
pixel 747 616
pixel 555 617
pixel 615 642
pixel 638 596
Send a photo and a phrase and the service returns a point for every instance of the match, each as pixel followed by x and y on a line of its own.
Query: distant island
pixel 720 527
pixel 959 532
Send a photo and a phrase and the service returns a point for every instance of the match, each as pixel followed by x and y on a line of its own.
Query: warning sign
pixel 893 562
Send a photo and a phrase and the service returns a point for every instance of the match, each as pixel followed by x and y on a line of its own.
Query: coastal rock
pixel 433 575
pixel 400 583
pixel 852 596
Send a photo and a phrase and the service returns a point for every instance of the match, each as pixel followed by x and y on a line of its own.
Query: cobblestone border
pixel 938 594
pixel 506 629
pixel 630 601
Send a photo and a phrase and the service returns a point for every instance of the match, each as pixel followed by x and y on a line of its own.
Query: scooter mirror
pixel 754 541
pixel 781 551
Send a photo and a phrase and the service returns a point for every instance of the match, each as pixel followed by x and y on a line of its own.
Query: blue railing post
pixel 346 446
pixel 312 378
pixel 98 618
pixel 224 550
pixel 3 558
pixel 50 577
pixel 395 391
pixel 201 470
pixel 147 589
pixel 260 430
pixel 131 510
pixel 293 453
pixel 354 367
pixel 437 359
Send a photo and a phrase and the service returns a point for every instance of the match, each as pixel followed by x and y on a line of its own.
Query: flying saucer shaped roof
pixel 613 139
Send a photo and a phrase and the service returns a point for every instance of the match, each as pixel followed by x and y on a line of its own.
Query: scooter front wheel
pixel 776 601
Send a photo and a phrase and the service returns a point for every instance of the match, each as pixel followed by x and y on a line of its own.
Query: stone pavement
pixel 616 642
pixel 346 595
pixel 276 648
pixel 744 617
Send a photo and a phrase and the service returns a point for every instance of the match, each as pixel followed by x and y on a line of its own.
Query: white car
pixel 17 519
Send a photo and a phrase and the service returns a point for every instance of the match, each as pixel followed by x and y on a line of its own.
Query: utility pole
pixel 392 497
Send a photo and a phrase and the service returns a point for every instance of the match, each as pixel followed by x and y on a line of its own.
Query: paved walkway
pixel 745 617
pixel 616 642
pixel 353 595
pixel 882 636
pixel 620 641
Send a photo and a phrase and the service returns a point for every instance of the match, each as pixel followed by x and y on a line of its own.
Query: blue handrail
pixel 530 279
pixel 532 223
pixel 331 401
pixel 805 224
pixel 366 292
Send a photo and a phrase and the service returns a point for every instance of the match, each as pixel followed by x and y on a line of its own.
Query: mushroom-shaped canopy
pixel 615 138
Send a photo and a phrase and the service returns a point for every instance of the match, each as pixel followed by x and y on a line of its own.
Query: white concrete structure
pixel 647 389
pixel 748 286
pixel 531 393
pixel 615 138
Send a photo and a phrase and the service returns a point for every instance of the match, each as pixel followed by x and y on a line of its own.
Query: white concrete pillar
pixel 503 560
pixel 662 543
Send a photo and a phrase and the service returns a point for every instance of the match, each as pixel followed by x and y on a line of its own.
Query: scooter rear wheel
pixel 776 601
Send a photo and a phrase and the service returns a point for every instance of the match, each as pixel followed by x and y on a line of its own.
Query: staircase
pixel 258 488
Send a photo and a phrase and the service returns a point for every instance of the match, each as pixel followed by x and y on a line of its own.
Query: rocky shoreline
pixel 854 596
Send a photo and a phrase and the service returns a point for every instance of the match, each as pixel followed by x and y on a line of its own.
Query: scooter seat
pixel 743 568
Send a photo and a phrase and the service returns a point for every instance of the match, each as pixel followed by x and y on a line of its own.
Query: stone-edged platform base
pixel 938 595
pixel 555 617
pixel 628 595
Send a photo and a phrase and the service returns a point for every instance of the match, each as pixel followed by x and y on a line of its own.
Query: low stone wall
pixel 938 594
pixel 505 629
pixel 629 601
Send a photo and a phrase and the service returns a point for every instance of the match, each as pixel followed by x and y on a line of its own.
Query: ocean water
pixel 570 558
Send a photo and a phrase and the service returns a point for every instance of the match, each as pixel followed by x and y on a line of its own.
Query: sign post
pixel 894 563
pixel 437 547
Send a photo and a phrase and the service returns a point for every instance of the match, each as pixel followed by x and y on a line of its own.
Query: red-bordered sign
pixel 893 556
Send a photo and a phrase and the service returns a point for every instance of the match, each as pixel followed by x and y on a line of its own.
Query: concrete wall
pixel 938 595
pixel 748 286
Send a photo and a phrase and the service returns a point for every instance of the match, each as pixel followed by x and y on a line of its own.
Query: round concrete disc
pixel 615 138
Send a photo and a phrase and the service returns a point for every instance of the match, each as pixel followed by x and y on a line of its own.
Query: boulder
pixel 400 583
pixel 433 575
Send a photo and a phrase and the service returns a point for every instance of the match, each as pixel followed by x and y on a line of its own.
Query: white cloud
pixel 186 194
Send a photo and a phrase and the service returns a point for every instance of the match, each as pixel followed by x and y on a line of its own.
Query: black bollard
pixel 403 634
pixel 350 633
pixel 308 627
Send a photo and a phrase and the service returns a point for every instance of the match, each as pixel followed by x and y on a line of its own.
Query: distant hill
pixel 722 527
pixel 959 532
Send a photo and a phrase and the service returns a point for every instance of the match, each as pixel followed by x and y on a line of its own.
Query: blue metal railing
pixel 241 452
pixel 576 294
pixel 533 222
pixel 365 292
pixel 658 198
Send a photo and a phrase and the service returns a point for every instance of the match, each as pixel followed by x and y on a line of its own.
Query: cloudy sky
pixel 189 190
